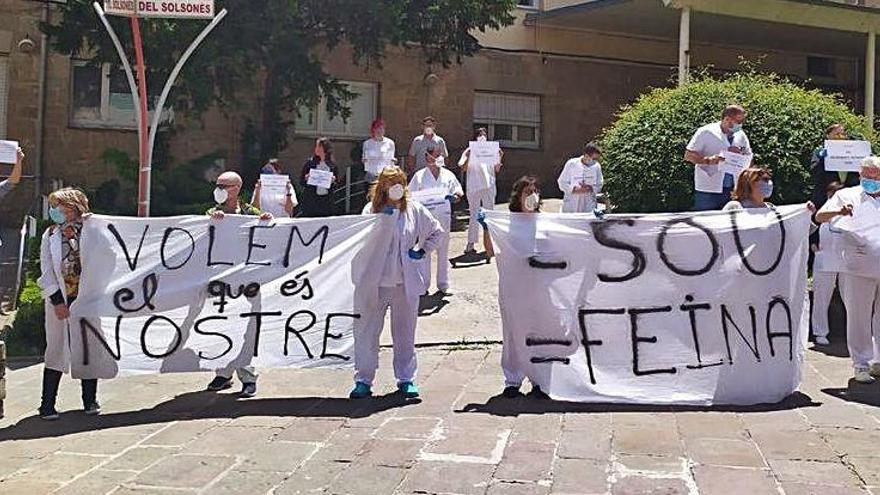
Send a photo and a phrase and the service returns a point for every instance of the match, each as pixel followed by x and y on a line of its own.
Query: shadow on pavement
pixel 857 392
pixel 501 406
pixel 432 303
pixel 204 405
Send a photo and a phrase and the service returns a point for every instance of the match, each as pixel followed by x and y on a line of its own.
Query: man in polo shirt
pixel 420 144
pixel 712 183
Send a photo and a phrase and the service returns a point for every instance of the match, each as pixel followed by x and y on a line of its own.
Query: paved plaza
pixel 162 434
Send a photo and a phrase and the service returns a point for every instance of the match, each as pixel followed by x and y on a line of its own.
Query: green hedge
pixel 643 149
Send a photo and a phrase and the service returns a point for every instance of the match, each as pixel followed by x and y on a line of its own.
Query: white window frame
pixel 106 121
pixel 533 5
pixel 515 142
pixel 349 133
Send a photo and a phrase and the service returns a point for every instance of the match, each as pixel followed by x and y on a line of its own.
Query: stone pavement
pixel 162 434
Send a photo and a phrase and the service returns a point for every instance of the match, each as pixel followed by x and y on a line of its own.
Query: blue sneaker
pixel 361 391
pixel 408 389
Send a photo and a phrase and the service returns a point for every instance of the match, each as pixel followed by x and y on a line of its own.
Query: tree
pixel 643 149
pixel 273 45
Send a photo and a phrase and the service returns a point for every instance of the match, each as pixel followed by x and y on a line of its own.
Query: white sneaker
pixel 821 340
pixel 863 375
pixel 874 370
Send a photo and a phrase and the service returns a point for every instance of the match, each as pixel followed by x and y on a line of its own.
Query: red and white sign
pixel 191 9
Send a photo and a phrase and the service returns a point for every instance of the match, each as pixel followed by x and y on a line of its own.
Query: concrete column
pixel 684 46
pixel 870 56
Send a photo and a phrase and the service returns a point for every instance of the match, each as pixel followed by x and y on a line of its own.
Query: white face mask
pixel 440 161
pixel 532 201
pixel 395 193
pixel 220 195
pixel 481 138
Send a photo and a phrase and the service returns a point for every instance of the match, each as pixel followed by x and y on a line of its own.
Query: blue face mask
pixel 766 188
pixel 871 186
pixel 736 128
pixel 56 215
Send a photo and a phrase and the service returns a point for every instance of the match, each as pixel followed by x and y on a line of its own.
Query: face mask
pixel 220 195
pixel 871 186
pixel 440 161
pixel 736 128
pixel 395 193
pixel 481 138
pixel 429 131
pixel 532 201
pixel 590 162
pixel 56 215
pixel 766 188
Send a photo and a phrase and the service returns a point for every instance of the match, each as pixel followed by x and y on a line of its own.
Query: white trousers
pixel 483 198
pixel 513 375
pixel 246 374
pixel 823 291
pixel 404 312
pixel 860 295
pixel 442 254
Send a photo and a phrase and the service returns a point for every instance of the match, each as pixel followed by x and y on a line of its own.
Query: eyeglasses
pixel 225 186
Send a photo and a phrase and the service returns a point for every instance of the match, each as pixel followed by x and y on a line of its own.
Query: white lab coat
pixel 446 180
pixel 581 202
pixel 421 230
pixel 57 356
pixel 710 140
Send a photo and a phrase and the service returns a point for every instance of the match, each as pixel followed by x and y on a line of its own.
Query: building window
pixel 528 4
pixel 820 67
pixel 317 122
pixel 101 97
pixel 512 119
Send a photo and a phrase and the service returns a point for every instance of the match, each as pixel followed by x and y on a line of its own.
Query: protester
pixel 705 150
pixel 415 161
pixel 61 268
pixel 826 269
pixel 821 177
pixel 581 180
pixel 14 178
pixel 376 149
pixel 525 197
pixel 479 193
pixel 415 234
pixel 859 291
pixel 273 167
pixel 753 186
pixel 435 176
pixel 226 195
pixel 317 201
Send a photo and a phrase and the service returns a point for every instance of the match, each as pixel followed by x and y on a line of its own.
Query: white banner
pixel 655 309
pixel 162 295
pixel 193 9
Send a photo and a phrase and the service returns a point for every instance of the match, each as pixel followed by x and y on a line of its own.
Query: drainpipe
pixel 870 55
pixel 684 46
pixel 41 108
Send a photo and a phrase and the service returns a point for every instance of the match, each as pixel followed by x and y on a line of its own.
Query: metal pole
pixel 684 46
pixel 144 174
pixel 870 57
pixel 348 190
pixel 157 113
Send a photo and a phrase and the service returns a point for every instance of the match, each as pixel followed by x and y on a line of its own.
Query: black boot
pixel 90 397
pixel 51 380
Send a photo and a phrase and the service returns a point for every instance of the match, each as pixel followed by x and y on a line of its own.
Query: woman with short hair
pixel 753 186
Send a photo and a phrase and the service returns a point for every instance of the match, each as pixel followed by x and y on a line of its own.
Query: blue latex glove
pixel 389 210
pixel 481 217
pixel 600 214
pixel 450 198
pixel 823 153
pixel 416 255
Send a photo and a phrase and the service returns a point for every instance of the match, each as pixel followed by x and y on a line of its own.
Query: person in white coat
pixel 61 269
pixel 826 271
pixel 581 180
pixel 415 233
pixel 860 280
pixel 377 152
pixel 436 177
pixel 481 192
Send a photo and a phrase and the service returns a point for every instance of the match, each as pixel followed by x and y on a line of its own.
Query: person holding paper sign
pixel 821 177
pixel 14 178
pixel 275 200
pixel 61 270
pixel 581 180
pixel 481 190
pixel 415 161
pixel 378 151
pixel 860 289
pixel 712 183
pixel 226 194
pixel 826 271
pixel 415 233
pixel 317 201
pixel 439 178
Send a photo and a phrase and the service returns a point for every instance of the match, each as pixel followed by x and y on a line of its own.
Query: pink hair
pixel 376 124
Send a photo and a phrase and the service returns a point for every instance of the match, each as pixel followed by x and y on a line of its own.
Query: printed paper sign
pixel 378 159
pixel 587 177
pixel 8 151
pixel 195 9
pixel 163 295
pixel 484 155
pixel 735 163
pixel 320 178
pixel 845 156
pixel 699 309
pixel 273 194
pixel 434 200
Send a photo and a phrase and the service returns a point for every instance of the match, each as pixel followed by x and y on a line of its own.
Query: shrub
pixel 643 149
pixel 27 337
